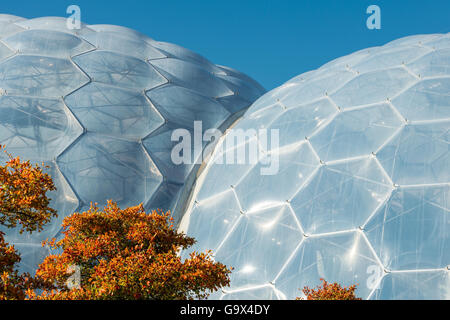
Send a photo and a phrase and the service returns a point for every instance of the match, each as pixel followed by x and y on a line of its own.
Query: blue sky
pixel 270 40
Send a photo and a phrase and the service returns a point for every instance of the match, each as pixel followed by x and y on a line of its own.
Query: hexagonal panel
pixel 388 82
pixel 345 258
pixel 40 76
pixel 114 111
pixel 119 70
pixel 356 133
pixel 434 64
pixel 341 196
pixel 47 43
pixel 266 292
pixel 302 121
pixel 418 154
pixel 291 167
pixel 102 168
pixel 412 231
pixel 36 129
pixel 192 76
pixel 221 211
pixel 272 232
pixel 427 100
pixel 184 106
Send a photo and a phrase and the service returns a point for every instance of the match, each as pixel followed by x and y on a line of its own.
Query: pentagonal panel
pixel 427 100
pixel 36 129
pixel 344 258
pixel 412 230
pixel 418 154
pixel 273 231
pixel 40 76
pixel 119 70
pixel 114 111
pixel 341 196
pixel 103 168
pixel 356 133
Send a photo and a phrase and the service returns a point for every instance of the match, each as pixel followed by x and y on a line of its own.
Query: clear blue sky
pixel 270 40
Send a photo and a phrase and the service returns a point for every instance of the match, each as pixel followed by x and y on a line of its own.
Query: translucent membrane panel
pixel 259 293
pixel 248 82
pixel 10 18
pixel 418 155
pixel 241 87
pixel 114 111
pixel 119 70
pixel 413 40
pixel 427 100
pixel 341 196
pixel 355 133
pixel 412 230
pixel 48 43
pixel 165 198
pixel 120 31
pixel 303 121
pixel 40 76
pixel 219 179
pixel 344 258
pixel 102 168
pixel 394 57
pixel 181 53
pixel 318 87
pixel 32 255
pixel 7 29
pixel 53 23
pixel 184 106
pixel 419 285
pixel 273 233
pixel 192 76
pixel 277 177
pixel 434 64
pixel 442 42
pixel 212 219
pixel 36 129
pixel 348 61
pixel 122 43
pixel 164 153
pixel 377 87
pixel 5 51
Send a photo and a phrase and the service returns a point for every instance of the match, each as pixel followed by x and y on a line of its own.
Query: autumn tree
pixel 24 204
pixel 127 254
pixel 327 291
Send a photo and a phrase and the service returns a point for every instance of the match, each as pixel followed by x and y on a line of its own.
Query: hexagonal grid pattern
pixel 362 192
pixel 96 104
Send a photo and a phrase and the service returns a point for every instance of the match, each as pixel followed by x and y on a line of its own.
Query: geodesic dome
pixel 98 105
pixel 361 194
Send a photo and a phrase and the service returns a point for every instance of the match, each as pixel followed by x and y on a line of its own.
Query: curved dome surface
pixel 361 194
pixel 98 105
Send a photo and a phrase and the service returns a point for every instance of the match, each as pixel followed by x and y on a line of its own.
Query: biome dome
pixel 361 194
pixel 98 105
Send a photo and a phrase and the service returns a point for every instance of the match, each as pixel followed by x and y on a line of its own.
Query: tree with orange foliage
pixel 23 201
pixel 328 291
pixel 127 254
